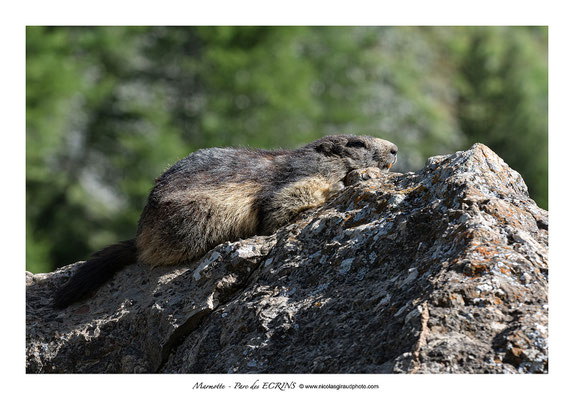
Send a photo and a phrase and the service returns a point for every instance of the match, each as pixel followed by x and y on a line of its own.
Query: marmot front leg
pixel 364 174
pixel 295 198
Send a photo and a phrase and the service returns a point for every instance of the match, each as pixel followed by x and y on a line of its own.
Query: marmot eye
pixel 356 143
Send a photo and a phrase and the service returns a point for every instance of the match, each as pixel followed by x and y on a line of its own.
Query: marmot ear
pixel 325 148
pixel 334 147
pixel 338 145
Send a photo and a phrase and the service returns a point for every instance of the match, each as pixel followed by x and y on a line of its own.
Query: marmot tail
pixel 99 268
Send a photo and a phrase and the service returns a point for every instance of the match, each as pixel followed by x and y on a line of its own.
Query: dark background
pixel 109 108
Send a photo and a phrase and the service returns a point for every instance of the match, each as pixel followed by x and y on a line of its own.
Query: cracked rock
pixel 443 270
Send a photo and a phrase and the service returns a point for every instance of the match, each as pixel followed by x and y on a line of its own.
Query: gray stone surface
pixel 443 270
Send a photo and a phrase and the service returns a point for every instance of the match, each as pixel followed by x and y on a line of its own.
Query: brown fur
pixel 217 195
pixel 204 219
pixel 297 197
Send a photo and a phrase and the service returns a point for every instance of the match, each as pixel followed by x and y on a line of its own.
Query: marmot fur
pixel 224 194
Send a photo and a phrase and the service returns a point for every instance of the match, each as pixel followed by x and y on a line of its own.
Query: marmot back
pixel 225 194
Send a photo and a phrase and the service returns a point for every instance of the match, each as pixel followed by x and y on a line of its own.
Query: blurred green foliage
pixel 109 108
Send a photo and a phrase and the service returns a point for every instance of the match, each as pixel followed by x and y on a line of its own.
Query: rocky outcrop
pixel 440 270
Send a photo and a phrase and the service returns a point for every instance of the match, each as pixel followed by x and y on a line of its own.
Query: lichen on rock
pixel 443 270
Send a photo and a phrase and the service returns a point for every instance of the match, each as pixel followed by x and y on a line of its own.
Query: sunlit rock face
pixel 443 270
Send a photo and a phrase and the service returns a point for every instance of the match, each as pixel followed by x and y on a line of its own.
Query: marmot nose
pixel 394 150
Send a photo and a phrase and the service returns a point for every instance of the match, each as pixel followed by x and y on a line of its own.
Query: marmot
pixel 225 194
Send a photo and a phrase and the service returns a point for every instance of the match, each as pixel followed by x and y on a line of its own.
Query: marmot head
pixel 359 151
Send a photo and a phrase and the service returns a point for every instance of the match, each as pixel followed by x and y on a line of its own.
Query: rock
pixel 440 270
